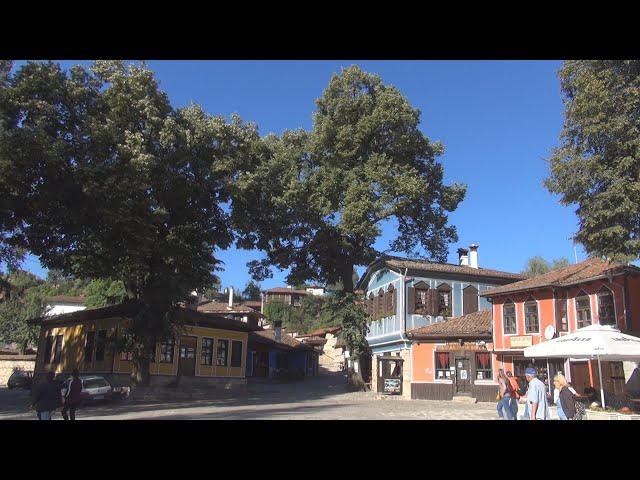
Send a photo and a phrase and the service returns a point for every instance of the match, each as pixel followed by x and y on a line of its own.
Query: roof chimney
pixel 230 297
pixel 463 256
pixel 277 331
pixel 473 255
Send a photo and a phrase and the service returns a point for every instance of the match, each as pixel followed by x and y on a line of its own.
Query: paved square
pixel 322 398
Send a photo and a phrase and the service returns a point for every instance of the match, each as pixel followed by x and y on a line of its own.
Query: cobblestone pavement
pixel 323 398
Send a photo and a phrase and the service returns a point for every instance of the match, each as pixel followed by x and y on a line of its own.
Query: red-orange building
pixel 559 302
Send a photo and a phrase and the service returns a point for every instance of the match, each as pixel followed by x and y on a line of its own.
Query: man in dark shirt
pixel 47 397
pixel 72 397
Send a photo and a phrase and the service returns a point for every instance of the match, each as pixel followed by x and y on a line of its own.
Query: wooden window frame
pixel 100 345
pixel 167 348
pixel 529 317
pixel 469 288
pixel 206 352
pixel 487 372
pixel 581 323
pixel 609 293
pixel 219 342
pixel 446 371
pixel 445 288
pixel 505 330
pixel 234 344
pixel 562 303
pixel 380 303
pixel 89 346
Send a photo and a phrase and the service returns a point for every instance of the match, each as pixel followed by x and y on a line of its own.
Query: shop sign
pixel 521 341
pixel 392 385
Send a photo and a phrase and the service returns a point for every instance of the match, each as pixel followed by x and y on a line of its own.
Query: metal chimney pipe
pixel 230 297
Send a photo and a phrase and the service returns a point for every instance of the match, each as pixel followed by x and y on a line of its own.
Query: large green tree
pixel 107 180
pixel 318 200
pixel 597 165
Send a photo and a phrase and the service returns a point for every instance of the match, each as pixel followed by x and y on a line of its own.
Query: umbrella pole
pixel 601 384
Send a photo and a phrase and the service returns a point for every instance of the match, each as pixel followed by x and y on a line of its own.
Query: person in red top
pixel 516 396
pixel 72 397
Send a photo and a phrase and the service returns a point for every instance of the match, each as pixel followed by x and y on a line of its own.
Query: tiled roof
pixel 313 340
pixel 255 304
pixel 223 308
pixel 65 299
pixel 324 331
pixel 570 275
pixel 268 336
pixel 286 290
pixel 473 324
pixel 417 265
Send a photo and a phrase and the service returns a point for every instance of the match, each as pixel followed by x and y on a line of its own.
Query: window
pixel 606 311
pixel 166 351
pixel 562 324
pixel 206 353
pixel 443 365
pixel 88 346
pixel 444 300
pixel 583 310
pixel 101 340
pixel 48 350
pixel 236 353
pixel 531 323
pixel 223 353
pixel 126 356
pixel 509 318
pixel 371 306
pixel 389 301
pixel 380 300
pixel 483 366
pixel 422 295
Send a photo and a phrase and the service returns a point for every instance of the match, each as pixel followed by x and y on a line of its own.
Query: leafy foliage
pixel 317 200
pixel 538 266
pixel 144 183
pixel 597 165
pixel 313 313
pixel 252 291
pixel 103 292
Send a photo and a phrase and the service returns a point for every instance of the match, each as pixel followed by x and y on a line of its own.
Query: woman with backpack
pixel 567 404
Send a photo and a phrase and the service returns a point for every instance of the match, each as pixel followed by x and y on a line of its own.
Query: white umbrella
pixel 595 341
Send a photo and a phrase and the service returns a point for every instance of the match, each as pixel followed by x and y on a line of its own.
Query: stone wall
pixel 374 373
pixel 405 354
pixel 9 363
pixel 332 357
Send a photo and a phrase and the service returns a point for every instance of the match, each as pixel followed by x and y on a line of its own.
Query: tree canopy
pixel 104 179
pixel 317 200
pixel 597 165
pixel 539 266
pixel 252 291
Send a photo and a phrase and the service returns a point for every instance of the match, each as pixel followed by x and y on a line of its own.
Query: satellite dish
pixel 549 332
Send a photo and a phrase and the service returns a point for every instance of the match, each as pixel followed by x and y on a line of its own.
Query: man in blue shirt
pixel 536 396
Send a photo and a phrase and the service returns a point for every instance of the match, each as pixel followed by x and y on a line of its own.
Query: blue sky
pixel 498 121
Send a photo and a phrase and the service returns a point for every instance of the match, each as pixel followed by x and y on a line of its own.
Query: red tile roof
pixel 324 331
pixel 223 308
pixel 425 266
pixel 268 336
pixel 590 269
pixel 286 290
pixel 477 324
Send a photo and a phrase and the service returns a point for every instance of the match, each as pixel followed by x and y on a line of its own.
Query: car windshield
pixel 94 383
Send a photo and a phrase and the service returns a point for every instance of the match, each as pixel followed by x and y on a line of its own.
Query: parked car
pixel 94 388
pixel 20 379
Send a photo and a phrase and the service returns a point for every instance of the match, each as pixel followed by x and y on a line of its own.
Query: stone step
pixel 464 399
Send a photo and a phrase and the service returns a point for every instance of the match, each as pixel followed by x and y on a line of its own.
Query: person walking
pixel 564 399
pixel 536 396
pixel 72 396
pixel 505 393
pixel 46 397
pixel 513 381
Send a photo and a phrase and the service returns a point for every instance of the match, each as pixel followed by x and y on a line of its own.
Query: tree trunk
pixel 141 374
pixel 347 278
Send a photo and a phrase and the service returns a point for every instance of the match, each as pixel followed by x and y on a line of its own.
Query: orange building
pixel 557 303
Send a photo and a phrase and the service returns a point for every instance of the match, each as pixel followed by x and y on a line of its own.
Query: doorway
pixel 463 376
pixel 580 376
pixel 187 363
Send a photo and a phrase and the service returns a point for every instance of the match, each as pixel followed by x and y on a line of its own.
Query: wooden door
pixel 187 362
pixel 463 376
pixel 580 376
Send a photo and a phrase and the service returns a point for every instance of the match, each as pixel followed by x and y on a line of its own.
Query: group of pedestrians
pixel 534 396
pixel 47 397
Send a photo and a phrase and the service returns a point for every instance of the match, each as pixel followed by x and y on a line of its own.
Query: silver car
pixel 94 388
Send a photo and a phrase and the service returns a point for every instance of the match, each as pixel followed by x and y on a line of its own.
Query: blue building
pixel 404 294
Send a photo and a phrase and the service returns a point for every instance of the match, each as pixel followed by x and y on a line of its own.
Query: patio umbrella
pixel 593 342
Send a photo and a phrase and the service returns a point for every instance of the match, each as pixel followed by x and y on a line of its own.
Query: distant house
pixel 240 312
pixel 316 290
pixel 288 296
pixel 272 353
pixel 59 304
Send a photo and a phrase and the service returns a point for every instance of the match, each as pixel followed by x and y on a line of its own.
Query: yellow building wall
pixel 74 339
